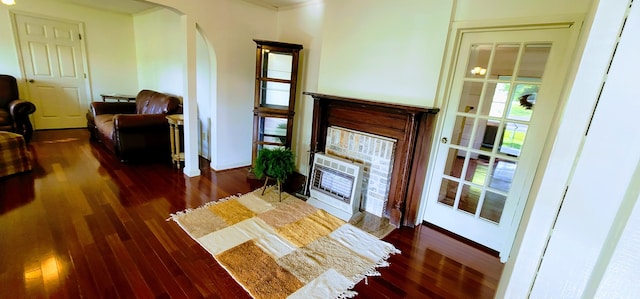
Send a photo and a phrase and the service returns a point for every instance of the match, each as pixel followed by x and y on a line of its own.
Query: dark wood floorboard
pixel 84 225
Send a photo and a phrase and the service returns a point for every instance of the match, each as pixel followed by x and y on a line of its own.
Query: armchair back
pixel 8 90
pixel 14 113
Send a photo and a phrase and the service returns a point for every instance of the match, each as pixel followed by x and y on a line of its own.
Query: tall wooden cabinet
pixel 275 94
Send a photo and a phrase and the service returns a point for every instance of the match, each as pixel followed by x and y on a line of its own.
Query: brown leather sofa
pixel 135 130
pixel 14 113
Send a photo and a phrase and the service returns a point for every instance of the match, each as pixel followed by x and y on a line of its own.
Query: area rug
pixel 285 249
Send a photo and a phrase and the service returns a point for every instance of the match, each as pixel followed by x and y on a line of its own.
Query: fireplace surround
pixel 410 126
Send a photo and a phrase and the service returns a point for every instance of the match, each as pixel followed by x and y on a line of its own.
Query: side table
pixel 118 97
pixel 175 121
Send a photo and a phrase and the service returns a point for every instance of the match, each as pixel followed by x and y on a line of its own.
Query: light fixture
pixel 478 71
pixel 8 2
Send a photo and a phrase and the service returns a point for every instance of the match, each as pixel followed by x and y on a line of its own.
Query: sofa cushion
pixel 104 125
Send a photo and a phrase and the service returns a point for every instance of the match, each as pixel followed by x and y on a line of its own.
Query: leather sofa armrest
pixel 112 108
pixel 20 109
pixel 137 121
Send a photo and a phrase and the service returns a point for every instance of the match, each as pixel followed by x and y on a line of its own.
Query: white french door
pixel 503 96
pixel 53 63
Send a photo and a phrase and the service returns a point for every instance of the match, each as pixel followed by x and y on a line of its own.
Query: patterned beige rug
pixel 286 249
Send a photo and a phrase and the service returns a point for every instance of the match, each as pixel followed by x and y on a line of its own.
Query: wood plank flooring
pixel 84 225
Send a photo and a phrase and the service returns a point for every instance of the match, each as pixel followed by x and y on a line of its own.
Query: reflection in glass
pixel 478 61
pixel 523 102
pixel 470 97
pixel 469 198
pixel 273 130
pixel 495 99
pixel 477 170
pixel 462 131
pixel 533 61
pixel 275 93
pixel 278 65
pixel 489 133
pixel 455 160
pixel 504 60
pixel 492 206
pixel 513 138
pixel 502 175
pixel 448 190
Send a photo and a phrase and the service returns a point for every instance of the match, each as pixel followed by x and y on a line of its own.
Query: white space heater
pixel 335 185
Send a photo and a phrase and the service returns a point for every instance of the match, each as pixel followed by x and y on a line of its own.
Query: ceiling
pixel 137 6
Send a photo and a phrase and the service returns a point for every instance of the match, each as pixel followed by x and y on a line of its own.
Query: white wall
pixel 473 10
pixel 206 87
pixel 303 26
pixel 380 50
pixel 111 61
pixel 230 27
pixel 160 51
pixel 603 188
pixel 599 38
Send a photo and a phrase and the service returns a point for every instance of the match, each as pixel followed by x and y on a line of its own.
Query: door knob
pixel 444 140
pixel 31 80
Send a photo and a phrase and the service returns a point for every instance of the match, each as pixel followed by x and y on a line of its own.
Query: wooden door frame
pixel 452 50
pixel 22 83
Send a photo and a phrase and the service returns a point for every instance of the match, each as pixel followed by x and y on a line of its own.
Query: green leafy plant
pixel 276 163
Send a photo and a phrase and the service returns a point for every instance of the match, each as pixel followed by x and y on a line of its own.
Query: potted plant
pixel 276 163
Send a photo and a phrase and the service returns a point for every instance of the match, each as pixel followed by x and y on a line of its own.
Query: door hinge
pixel 85 76
pixel 80 36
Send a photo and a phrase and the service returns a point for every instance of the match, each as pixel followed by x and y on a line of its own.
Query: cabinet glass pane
pixel 273 130
pixel 277 65
pixel 275 93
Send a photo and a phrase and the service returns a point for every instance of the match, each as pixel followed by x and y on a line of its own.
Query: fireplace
pixel 410 126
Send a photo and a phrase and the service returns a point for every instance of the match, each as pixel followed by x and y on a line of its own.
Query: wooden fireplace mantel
pixel 410 126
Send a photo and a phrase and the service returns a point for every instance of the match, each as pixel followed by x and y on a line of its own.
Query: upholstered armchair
pixel 137 130
pixel 14 113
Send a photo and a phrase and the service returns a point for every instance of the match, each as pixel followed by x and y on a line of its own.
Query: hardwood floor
pixel 84 225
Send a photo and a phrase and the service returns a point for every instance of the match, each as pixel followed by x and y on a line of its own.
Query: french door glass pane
pixel 454 163
pixel 477 169
pixel 470 97
pixel 504 60
pixel 462 131
pixel 489 135
pixel 513 138
pixel 448 190
pixel 534 60
pixel 492 206
pixel 523 102
pixel 495 99
pixel 469 198
pixel 478 61
pixel 502 175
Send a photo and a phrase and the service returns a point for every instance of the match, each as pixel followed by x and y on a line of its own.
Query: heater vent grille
pixel 336 182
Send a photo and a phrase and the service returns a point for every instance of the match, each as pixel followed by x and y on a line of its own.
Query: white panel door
pixel 54 67
pixel 503 97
